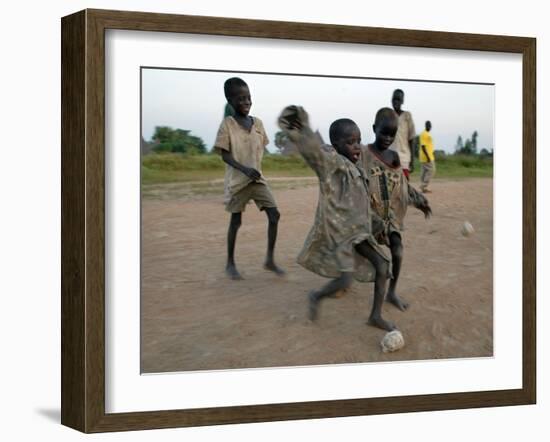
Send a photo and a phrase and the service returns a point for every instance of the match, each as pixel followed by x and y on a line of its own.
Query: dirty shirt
pixel 388 191
pixel 246 146
pixel 405 132
pixel 342 219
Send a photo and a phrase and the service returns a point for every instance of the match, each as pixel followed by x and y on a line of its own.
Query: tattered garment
pixel 342 219
pixel 389 193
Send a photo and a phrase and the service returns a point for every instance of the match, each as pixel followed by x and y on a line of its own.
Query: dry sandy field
pixel 194 318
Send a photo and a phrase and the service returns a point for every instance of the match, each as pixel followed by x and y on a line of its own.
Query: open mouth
pixel 355 156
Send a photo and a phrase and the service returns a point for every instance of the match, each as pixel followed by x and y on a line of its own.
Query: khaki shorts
pixel 259 192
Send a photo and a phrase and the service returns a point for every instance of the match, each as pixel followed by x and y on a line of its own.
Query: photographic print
pixel 252 204
pixel 253 235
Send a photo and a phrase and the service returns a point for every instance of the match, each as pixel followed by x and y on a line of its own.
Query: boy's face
pixel 348 143
pixel 397 101
pixel 385 132
pixel 428 126
pixel 240 100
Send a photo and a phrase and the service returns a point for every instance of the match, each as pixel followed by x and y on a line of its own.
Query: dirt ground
pixel 194 318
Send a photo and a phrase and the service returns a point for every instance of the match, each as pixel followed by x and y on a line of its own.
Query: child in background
pixel 404 139
pixel 426 157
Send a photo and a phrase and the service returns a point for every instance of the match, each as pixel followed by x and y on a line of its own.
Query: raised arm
pixel 294 121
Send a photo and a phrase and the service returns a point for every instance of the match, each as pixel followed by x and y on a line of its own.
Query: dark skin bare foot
pixel 313 306
pixel 339 294
pixel 330 288
pixel 400 303
pixel 377 321
pixel 272 267
pixel 232 272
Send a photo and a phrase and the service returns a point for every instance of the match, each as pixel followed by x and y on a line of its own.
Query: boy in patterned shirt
pixel 390 193
pixel 241 139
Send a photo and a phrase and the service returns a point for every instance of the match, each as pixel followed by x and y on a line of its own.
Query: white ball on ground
pixel 392 341
pixel 467 229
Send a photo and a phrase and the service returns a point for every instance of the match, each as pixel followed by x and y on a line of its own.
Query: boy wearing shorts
pixel 241 139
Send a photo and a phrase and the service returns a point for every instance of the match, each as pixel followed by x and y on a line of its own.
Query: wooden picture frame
pixel 83 220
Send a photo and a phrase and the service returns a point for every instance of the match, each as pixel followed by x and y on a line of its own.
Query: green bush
pixel 167 139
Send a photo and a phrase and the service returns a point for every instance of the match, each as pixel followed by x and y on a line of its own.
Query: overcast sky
pixel 194 100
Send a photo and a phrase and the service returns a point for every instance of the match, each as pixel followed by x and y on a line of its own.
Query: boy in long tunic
pixel 241 139
pixel 404 138
pixel 390 193
pixel 340 244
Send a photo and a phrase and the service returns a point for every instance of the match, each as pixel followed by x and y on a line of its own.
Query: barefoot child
pixel 390 193
pixel 241 140
pixel 340 244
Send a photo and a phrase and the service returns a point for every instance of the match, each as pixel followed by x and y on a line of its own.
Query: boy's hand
pixel 426 210
pixel 293 119
pixel 378 226
pixel 251 173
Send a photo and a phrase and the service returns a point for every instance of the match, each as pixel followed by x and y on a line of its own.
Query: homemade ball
pixel 467 229
pixel 392 341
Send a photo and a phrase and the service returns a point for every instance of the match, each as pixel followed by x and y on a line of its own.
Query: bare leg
pixel 396 247
pixel 230 268
pixel 273 216
pixel 332 287
pixel 381 267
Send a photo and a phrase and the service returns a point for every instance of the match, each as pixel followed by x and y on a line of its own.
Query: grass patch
pixel 181 168
pixel 180 162
pixel 154 176
pixel 178 168
pixel 461 166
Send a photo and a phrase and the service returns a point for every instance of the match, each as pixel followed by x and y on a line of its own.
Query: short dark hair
pixel 382 114
pixel 398 91
pixel 232 83
pixel 337 128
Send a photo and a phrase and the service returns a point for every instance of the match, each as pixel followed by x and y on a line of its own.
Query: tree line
pixel 469 147
pixel 166 139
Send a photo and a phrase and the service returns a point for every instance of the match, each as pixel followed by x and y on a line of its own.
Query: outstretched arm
pixel 294 120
